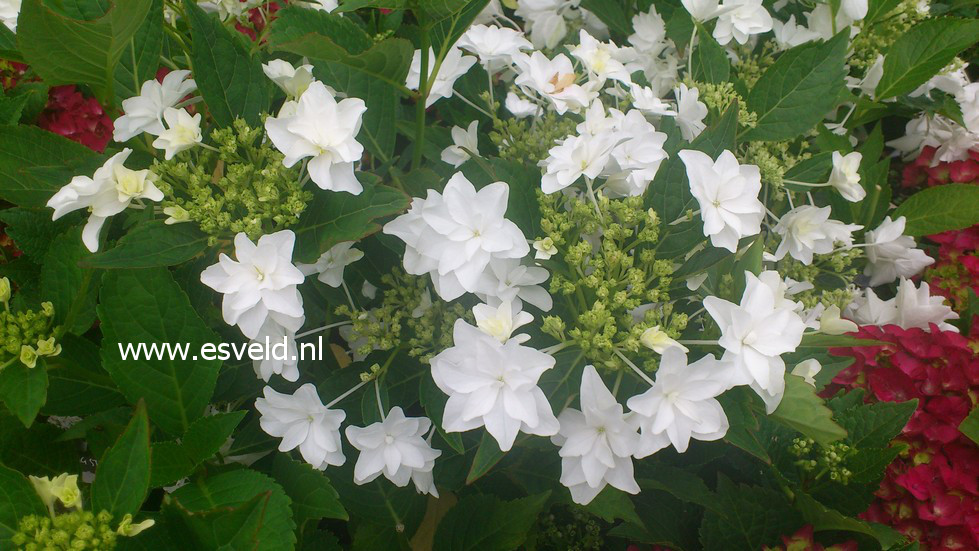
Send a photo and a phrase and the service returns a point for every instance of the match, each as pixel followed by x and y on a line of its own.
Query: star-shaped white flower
pixel 493 384
pixel 330 265
pixel 917 307
pixel 464 142
pixel 690 112
pixel 144 113
pixel 501 321
pixel 454 65
pixel 807 230
pixel 728 196
pixel 576 156
pixel 291 80
pixel 277 336
pixel 506 279
pixel 302 421
pixel 597 443
pixel 108 192
pixel 891 254
pixel 845 176
pixel 396 448
pixel 740 19
pixel 262 280
pixel 554 79
pixel 494 45
pixel 682 404
pixel 604 60
pixel 754 335
pixel 183 132
pixel 325 130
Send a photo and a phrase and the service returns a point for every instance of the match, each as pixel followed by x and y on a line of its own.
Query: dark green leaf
pixel 746 517
pixel 484 522
pixel 875 425
pixel 24 390
pixel 710 63
pixel 970 426
pixel 151 245
pixel 141 58
pixel 488 454
pixel 78 385
pixel 122 478
pixel 940 208
pixel 69 287
pixel 174 460
pixel 804 411
pixel 923 51
pixel 17 500
pixel 433 400
pixel 35 163
pixel 313 497
pixel 32 230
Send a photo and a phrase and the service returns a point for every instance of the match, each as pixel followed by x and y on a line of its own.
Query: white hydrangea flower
pixel 329 266
pixel 741 19
pixel 808 230
pixel 866 308
pixel 690 112
pixel 682 404
pixel 144 113
pixel 808 369
pixel 574 157
pixel 455 234
pixel 9 11
pixel 658 341
pixel 845 176
pixel 597 443
pixel 228 9
pixel 183 132
pixel 554 79
pixel 501 321
pixel 464 141
pixel 454 65
pixel 278 330
pixel 545 21
pixel 604 60
pixel 917 307
pixel 728 196
pixel 325 130
pixel 261 281
pixel 891 254
pixel 291 80
pixel 790 34
pixel 396 448
pixel 521 108
pixel 754 335
pixel 495 46
pixel 701 10
pixel 108 192
pixel 506 279
pixel 855 9
pixel 493 384
pixel 831 323
pixel 649 32
pixel 645 100
pixel 302 421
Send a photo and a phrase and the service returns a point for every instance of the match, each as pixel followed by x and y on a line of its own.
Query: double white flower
pixel 756 332
pixel 493 384
pixel 455 234
pixel 807 230
pixel 728 196
pixel 302 421
pixel 911 307
pixel 260 283
pixel 325 130
pixel 144 113
pixel 453 66
pixel 891 254
pixel 396 448
pixel 108 192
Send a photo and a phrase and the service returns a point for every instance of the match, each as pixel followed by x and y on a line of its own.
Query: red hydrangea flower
pixel 76 117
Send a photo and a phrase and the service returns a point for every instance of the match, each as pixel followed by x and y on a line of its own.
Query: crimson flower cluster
pixel 76 117
pixel 924 171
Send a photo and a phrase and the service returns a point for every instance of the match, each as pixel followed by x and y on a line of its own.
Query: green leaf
pixel 17 500
pixel 8 45
pixel 336 217
pixel 78 385
pixel 230 80
pixel 746 517
pixel 824 519
pixel 612 504
pixel 313 497
pixel 921 52
pixel 814 170
pixel 141 58
pixel 122 478
pixel 877 9
pixel 682 484
pixel 970 426
pixel 612 13
pixel 24 390
pixel 174 460
pixel 147 306
pixel 488 454
pixel 377 132
pixel 64 50
pixel 940 208
pixel 433 400
pixel 801 86
pixel 875 425
pixel 484 522
pixel 804 411
pixel 11 108
pixel 710 63
pixel 151 245
pixel 35 163
pixel 70 288
pixel 822 341
pixel 32 230
pixel 37 451
pixel 241 509
pixel 323 36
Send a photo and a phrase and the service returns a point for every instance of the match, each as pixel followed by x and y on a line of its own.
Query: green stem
pixel 423 88
pixel 75 304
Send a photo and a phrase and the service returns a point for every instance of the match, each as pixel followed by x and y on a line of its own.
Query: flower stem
pixel 377 394
pixel 347 393
pixel 419 145
pixel 324 328
pixel 705 343
pixel 634 367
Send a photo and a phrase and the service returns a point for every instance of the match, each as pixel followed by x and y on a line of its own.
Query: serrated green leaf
pixel 875 425
pixel 78 385
pixel 122 478
pixel 940 208
pixel 32 229
pixel 484 522
pixel 174 460
pixel 823 519
pixel 804 411
pixel 35 163
pixel 612 13
pixel 24 390
pixel 970 426
pixel 229 78
pixel 709 63
pixel 69 287
pixel 150 245
pixel 796 92
pixel 17 500
pixel 147 306
pixel 313 497
pixel 65 50
pixel 336 217
pixel 746 517
pixel 141 58
pixel 488 454
pixel 921 52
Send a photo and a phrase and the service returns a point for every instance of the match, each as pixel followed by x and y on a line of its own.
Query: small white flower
pixel 603 60
pixel 108 192
pixel 728 196
pixel 454 65
pixel 855 9
pixel 495 46
pixel 520 107
pixel 645 100
pixel 228 9
pixel 701 10
pixel 807 369
pixel 175 215
pixel 892 254
pixel 545 248
pixel 325 130
pixel 741 19
pixel 501 321
pixel 597 443
pixel 493 384
pixel 144 113
pixel 968 100
pixel 280 333
pixel 574 157
pixel 916 307
pixel 649 32
pixel 261 281
pixel 292 80
pixel 9 10
pixel 464 141
pixel 831 323
pixel 845 176
pixel 554 79
pixel 301 420
pixel 754 335
pixel 455 234
pixel 329 266
pixel 507 279
pixel 183 132
pixel 690 112
pixel 322 5
pixel 807 230
pixel 658 341
pixel 682 404
pixel 396 448
pixel 789 34
pixel 867 308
